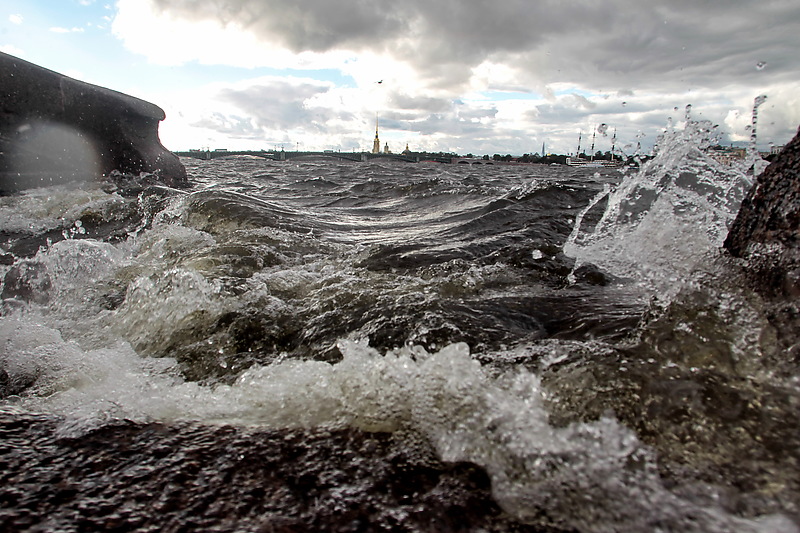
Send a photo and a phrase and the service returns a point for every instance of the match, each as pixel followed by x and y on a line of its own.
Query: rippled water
pixel 576 335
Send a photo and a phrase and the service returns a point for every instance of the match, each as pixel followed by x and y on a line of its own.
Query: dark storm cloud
pixel 405 101
pixel 570 108
pixel 234 127
pixel 476 113
pixel 300 25
pixel 615 44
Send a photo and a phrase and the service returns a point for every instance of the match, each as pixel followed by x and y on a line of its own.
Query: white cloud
pixel 58 29
pixel 442 65
pixel 258 113
pixel 10 49
pixel 15 19
pixel 266 112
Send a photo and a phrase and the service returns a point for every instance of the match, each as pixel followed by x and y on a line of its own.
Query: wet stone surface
pixel 766 233
pixel 55 129
pixel 152 477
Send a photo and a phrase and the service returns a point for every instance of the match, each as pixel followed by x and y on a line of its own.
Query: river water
pixel 576 335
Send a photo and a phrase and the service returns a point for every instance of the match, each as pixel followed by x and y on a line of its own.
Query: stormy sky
pixel 479 76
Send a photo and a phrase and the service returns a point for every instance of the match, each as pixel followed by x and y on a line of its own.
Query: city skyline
pixel 465 78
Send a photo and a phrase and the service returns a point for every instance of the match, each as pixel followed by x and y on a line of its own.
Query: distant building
pixel 727 156
pixel 775 150
pixel 386 149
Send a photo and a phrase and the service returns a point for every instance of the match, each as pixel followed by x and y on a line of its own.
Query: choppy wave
pixel 504 314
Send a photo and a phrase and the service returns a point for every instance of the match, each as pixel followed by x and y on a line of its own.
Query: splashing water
pixel 754 160
pixel 661 221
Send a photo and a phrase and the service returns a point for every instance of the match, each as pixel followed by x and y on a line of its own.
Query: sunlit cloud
pixel 171 40
pixel 499 77
pixel 15 19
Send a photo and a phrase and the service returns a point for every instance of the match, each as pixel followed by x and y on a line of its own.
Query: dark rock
pixel 766 233
pixel 592 275
pixel 27 281
pixel 56 129
pixel 5 381
pixel 708 427
pixel 767 228
pixel 188 477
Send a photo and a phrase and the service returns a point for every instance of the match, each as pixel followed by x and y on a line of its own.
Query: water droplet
pixel 624 104
pixel 602 128
pixel 760 65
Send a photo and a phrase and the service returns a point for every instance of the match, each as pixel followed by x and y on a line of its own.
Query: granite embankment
pixel 55 129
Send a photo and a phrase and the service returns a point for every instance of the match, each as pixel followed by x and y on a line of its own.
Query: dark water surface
pixel 391 346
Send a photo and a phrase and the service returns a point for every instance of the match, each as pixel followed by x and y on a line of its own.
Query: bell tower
pixel 376 144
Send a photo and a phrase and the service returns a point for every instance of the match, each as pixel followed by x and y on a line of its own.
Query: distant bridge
pixel 471 161
pixel 280 155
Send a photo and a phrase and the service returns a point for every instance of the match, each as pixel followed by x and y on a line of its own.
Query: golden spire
pixel 376 144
